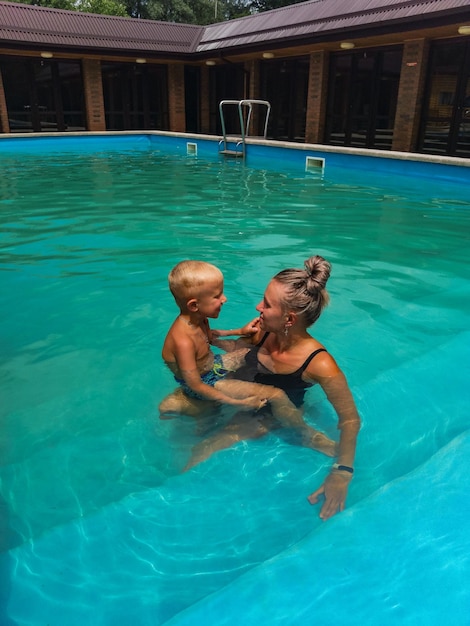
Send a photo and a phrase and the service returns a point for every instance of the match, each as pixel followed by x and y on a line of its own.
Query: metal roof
pixel 321 17
pixel 27 24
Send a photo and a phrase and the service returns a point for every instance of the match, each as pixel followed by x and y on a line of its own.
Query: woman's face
pixel 271 308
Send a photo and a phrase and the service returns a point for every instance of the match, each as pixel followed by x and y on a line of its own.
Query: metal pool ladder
pixel 236 146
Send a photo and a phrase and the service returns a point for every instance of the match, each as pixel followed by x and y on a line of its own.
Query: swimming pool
pixel 100 526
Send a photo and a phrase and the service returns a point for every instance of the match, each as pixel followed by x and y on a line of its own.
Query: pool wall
pixel 259 153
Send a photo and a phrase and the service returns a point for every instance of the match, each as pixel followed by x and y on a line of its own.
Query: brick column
pixel 204 98
pixel 176 99
pixel 4 122
pixel 410 95
pixel 252 71
pixel 93 88
pixel 316 98
pixel 252 67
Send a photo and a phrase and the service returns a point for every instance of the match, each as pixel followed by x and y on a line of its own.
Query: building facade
pixel 376 74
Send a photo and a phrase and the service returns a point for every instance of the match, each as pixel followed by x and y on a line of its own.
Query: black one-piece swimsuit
pixel 293 384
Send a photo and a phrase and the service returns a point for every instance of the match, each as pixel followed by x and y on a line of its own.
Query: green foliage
pixel 103 7
pixel 200 12
pixel 170 11
pixel 231 9
pixel 258 6
pixel 137 8
pixel 54 4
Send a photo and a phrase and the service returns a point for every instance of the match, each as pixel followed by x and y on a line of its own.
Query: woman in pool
pixel 198 289
pixel 287 356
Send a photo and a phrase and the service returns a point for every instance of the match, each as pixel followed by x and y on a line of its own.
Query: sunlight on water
pixel 87 243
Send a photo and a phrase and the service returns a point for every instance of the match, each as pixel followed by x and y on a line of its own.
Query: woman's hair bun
pixel 318 272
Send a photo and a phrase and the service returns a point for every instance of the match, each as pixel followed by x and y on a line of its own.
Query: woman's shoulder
pixel 319 362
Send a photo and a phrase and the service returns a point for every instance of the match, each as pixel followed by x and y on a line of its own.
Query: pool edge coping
pixel 304 147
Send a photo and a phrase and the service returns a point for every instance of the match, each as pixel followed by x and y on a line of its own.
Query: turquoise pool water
pixel 99 525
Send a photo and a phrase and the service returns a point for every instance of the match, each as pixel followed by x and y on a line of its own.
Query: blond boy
pixel 198 287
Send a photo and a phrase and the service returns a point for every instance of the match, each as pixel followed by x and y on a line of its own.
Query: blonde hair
pixel 187 277
pixel 305 290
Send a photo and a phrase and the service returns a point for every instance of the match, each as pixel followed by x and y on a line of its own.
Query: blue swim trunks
pixel 218 372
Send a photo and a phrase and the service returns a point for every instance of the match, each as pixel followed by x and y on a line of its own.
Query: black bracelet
pixel 343 468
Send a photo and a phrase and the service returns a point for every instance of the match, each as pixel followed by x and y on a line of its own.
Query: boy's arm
pixel 248 330
pixel 186 360
pixel 247 336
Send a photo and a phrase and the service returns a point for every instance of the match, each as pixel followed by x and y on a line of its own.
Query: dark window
pixel 285 85
pixel 362 98
pixel 43 95
pixel 227 82
pixel 446 113
pixel 135 96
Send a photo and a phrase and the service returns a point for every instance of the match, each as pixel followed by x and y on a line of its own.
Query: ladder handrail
pixel 244 129
pixel 268 111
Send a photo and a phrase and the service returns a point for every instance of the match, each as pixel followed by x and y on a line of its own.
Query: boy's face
pixel 211 298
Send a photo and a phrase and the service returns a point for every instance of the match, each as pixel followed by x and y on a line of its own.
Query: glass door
pixel 43 95
pixel 462 142
pixel 226 82
pixel 362 98
pixel 446 117
pixel 285 85
pixel 135 96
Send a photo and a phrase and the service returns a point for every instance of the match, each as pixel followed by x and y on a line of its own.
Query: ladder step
pixel 231 153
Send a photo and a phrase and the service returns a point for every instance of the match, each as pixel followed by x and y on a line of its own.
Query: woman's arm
pixel 338 393
pixel 335 486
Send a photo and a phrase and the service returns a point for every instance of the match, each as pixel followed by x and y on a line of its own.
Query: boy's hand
pixel 248 330
pixel 254 402
pixel 251 328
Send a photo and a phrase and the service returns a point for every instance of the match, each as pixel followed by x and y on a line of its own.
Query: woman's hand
pixel 335 489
